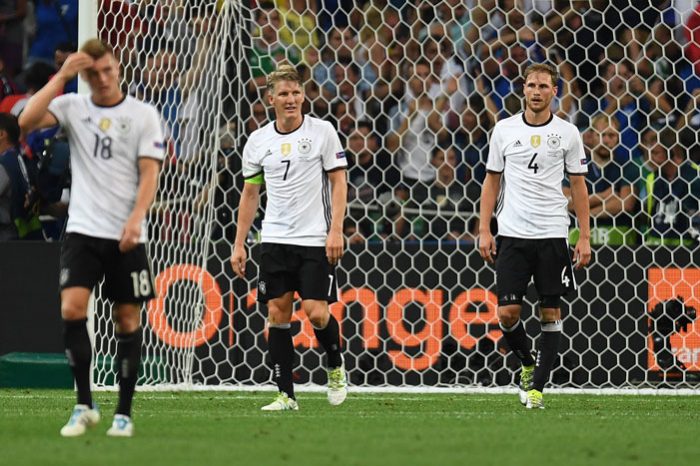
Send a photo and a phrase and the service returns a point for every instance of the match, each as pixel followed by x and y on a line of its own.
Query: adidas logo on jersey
pixel 518 144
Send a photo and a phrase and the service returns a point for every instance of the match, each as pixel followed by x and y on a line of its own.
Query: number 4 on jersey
pixel 532 165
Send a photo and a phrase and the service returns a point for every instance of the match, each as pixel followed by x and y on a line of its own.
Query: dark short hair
pixel 8 123
pixel 37 75
pixel 67 47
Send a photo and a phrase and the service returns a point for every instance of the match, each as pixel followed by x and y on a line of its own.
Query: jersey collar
pixel 549 120
pixel 274 125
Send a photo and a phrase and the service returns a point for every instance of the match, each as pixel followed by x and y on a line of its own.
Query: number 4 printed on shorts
pixel 564 278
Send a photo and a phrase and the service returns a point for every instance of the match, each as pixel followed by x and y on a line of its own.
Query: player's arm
pixel 148 184
pixel 339 196
pixel 36 114
pixel 579 194
pixel 489 194
pixel 248 206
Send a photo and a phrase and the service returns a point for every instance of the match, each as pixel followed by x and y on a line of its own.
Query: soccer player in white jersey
pixel 302 164
pixel 116 146
pixel 529 154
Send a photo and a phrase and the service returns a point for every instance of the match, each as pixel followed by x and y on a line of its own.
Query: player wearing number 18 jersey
pixel 529 154
pixel 302 164
pixel 116 146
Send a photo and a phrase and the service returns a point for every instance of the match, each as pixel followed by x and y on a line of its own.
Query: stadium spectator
pixel 16 221
pixel 56 22
pixel 471 138
pixel 299 24
pixel 12 13
pixel 417 129
pixel 692 36
pixel 7 84
pixel 298 156
pixel 670 195
pixel 533 222
pixel 267 51
pixel 610 186
pixel 116 141
pixel 35 77
pixel 631 102
pixel 450 198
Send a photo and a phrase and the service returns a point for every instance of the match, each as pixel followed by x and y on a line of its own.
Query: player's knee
pixel 550 302
pixel 319 318
pixel 277 316
pixel 71 310
pixel 508 315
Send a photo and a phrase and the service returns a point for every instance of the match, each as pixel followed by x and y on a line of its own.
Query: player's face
pixel 103 79
pixel 287 99
pixel 539 92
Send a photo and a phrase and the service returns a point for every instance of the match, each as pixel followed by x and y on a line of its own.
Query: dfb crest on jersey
pixel 124 125
pixel 304 146
pixel 286 149
pixel 535 140
pixel 262 287
pixel 105 124
pixel 553 141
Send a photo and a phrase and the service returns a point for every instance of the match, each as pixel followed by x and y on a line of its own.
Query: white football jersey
pixel 533 160
pixel 294 167
pixel 105 145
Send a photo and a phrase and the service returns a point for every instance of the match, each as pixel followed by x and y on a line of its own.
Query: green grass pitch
pixel 212 428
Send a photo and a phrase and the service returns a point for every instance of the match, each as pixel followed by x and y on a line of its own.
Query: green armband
pixel 257 179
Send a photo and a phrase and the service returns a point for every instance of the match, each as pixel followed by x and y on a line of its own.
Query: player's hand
pixel 582 253
pixel 130 234
pixel 487 247
pixel 334 247
pixel 74 64
pixel 238 260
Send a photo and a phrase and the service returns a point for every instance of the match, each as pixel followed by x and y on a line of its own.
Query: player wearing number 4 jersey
pixel 529 153
pixel 302 164
pixel 116 146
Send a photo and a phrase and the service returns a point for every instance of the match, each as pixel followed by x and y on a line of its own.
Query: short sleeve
pixel 495 161
pixel 575 156
pixel 151 142
pixel 251 164
pixel 60 108
pixel 332 152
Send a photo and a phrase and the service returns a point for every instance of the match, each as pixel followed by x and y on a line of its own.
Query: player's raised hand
pixel 334 247
pixel 487 246
pixel 238 260
pixel 74 64
pixel 582 253
pixel 130 234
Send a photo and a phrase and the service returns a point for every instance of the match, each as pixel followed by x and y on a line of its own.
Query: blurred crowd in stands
pixel 414 88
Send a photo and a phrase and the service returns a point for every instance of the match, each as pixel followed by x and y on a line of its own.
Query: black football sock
pixel 128 362
pixel 329 338
pixel 547 353
pixel 79 353
pixel 518 341
pixel 281 349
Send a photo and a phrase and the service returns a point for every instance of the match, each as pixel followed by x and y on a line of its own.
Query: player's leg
pixel 318 287
pixel 80 271
pixel 276 285
pixel 129 342
pixel 513 271
pixel 553 278
pixel 129 283
pixel 281 347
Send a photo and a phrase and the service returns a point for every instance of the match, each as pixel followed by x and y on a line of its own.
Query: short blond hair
pixel 609 120
pixel 284 72
pixel 96 48
pixel 542 68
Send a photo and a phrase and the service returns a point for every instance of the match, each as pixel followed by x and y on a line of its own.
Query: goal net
pixel 414 89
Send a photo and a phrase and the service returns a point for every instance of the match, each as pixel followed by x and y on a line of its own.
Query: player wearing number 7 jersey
pixel 302 164
pixel 529 153
pixel 116 146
